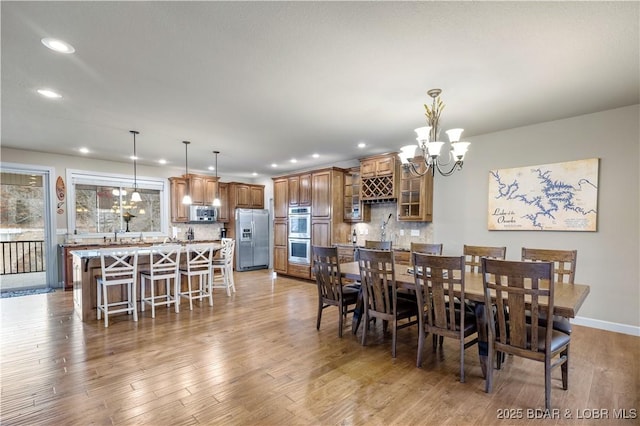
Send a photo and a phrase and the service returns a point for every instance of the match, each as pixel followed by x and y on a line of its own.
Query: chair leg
pixel 365 329
pixel 189 292
pixel 153 299
pixel 227 281
pixel 488 381
pixel 176 292
pixel 340 318
pixel 394 333
pixel 231 279
pixel 547 384
pixel 134 301
pixel 142 284
pixel 105 303
pixel 565 369
pixel 99 293
pixel 462 360
pixel 319 317
pixel 421 338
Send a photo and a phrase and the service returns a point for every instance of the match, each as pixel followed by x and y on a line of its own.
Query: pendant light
pixel 187 197
pixel 216 200
pixel 135 196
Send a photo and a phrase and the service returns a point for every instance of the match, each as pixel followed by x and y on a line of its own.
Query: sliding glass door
pixel 27 229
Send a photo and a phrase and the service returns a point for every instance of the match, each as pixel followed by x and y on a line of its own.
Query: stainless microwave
pixel 203 214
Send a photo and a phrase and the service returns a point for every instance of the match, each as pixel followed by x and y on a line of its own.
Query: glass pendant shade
pixel 216 200
pixel 434 148
pixel 423 134
pixel 407 152
pixel 187 199
pixel 460 149
pixel 135 197
pixel 454 135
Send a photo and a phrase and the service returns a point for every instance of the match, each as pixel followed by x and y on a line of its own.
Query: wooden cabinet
pixel 223 210
pixel 376 166
pixel 378 176
pixel 354 210
pixel 202 189
pixel 415 198
pixel 300 190
pixel 179 211
pixel 280 198
pixel 247 196
pixel 321 196
pixel 280 259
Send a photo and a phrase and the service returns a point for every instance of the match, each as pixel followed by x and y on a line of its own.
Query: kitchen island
pixel 86 269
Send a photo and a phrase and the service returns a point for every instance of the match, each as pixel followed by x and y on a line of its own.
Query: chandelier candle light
pixel 430 147
pixel 187 197
pixel 135 196
pixel 216 201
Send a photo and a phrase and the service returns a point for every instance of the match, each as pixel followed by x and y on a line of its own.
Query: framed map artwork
pixel 549 197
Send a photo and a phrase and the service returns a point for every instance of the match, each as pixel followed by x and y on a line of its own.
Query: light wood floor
pixel 256 358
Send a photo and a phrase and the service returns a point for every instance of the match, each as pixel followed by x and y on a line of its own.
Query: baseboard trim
pixel 606 325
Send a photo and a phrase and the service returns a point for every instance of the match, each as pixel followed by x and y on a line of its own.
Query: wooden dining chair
pixel 331 291
pixel 377 245
pixel 473 254
pixel 520 287
pixel 377 275
pixel 564 269
pixel 224 266
pixel 442 278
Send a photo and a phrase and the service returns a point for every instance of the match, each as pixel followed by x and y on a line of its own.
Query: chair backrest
pixel 377 275
pixel 473 254
pixel 327 271
pixel 377 245
pixel 119 265
pixel 164 260
pixel 436 290
pixel 518 287
pixel 564 262
pixel 225 240
pixel 199 257
pixel 426 248
pixel 226 252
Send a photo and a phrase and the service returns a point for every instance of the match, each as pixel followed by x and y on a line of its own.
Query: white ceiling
pixel 263 82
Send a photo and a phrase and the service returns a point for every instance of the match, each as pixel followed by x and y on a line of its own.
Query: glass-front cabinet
pixel 415 200
pixel 354 210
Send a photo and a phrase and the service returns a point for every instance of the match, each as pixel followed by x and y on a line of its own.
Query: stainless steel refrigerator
pixel 252 239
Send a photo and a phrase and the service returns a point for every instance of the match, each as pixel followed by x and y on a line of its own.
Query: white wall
pixel 608 260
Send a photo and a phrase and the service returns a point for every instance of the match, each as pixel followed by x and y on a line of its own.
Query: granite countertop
pixel 131 244
pixel 360 246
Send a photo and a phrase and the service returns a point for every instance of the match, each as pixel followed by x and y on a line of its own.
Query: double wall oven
pixel 300 235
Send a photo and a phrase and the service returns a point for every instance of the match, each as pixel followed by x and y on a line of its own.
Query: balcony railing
pixel 21 257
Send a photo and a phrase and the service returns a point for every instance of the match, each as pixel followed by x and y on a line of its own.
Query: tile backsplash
pixel 401 233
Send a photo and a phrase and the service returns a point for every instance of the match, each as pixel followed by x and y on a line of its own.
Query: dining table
pixel 568 299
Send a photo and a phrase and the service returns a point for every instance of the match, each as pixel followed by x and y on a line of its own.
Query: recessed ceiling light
pixel 58 45
pixel 162 161
pixel 133 157
pixel 211 168
pixel 316 155
pixel 362 145
pixel 49 94
pixel 274 165
pixel 84 150
pixel 254 174
pixel 293 160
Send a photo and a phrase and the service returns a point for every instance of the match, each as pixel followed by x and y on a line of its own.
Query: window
pixel 102 205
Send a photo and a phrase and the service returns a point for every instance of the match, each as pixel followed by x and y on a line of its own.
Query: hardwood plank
pixel 257 358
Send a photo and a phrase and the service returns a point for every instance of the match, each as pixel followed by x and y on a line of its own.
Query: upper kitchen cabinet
pixel 415 199
pixel 202 189
pixel 354 210
pixel 378 175
pixel 300 190
pixel 280 198
pixel 327 198
pixel 223 210
pixel 179 211
pixel 246 196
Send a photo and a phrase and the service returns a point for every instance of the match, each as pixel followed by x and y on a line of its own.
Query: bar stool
pixel 164 262
pixel 199 257
pixel 225 265
pixel 119 268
